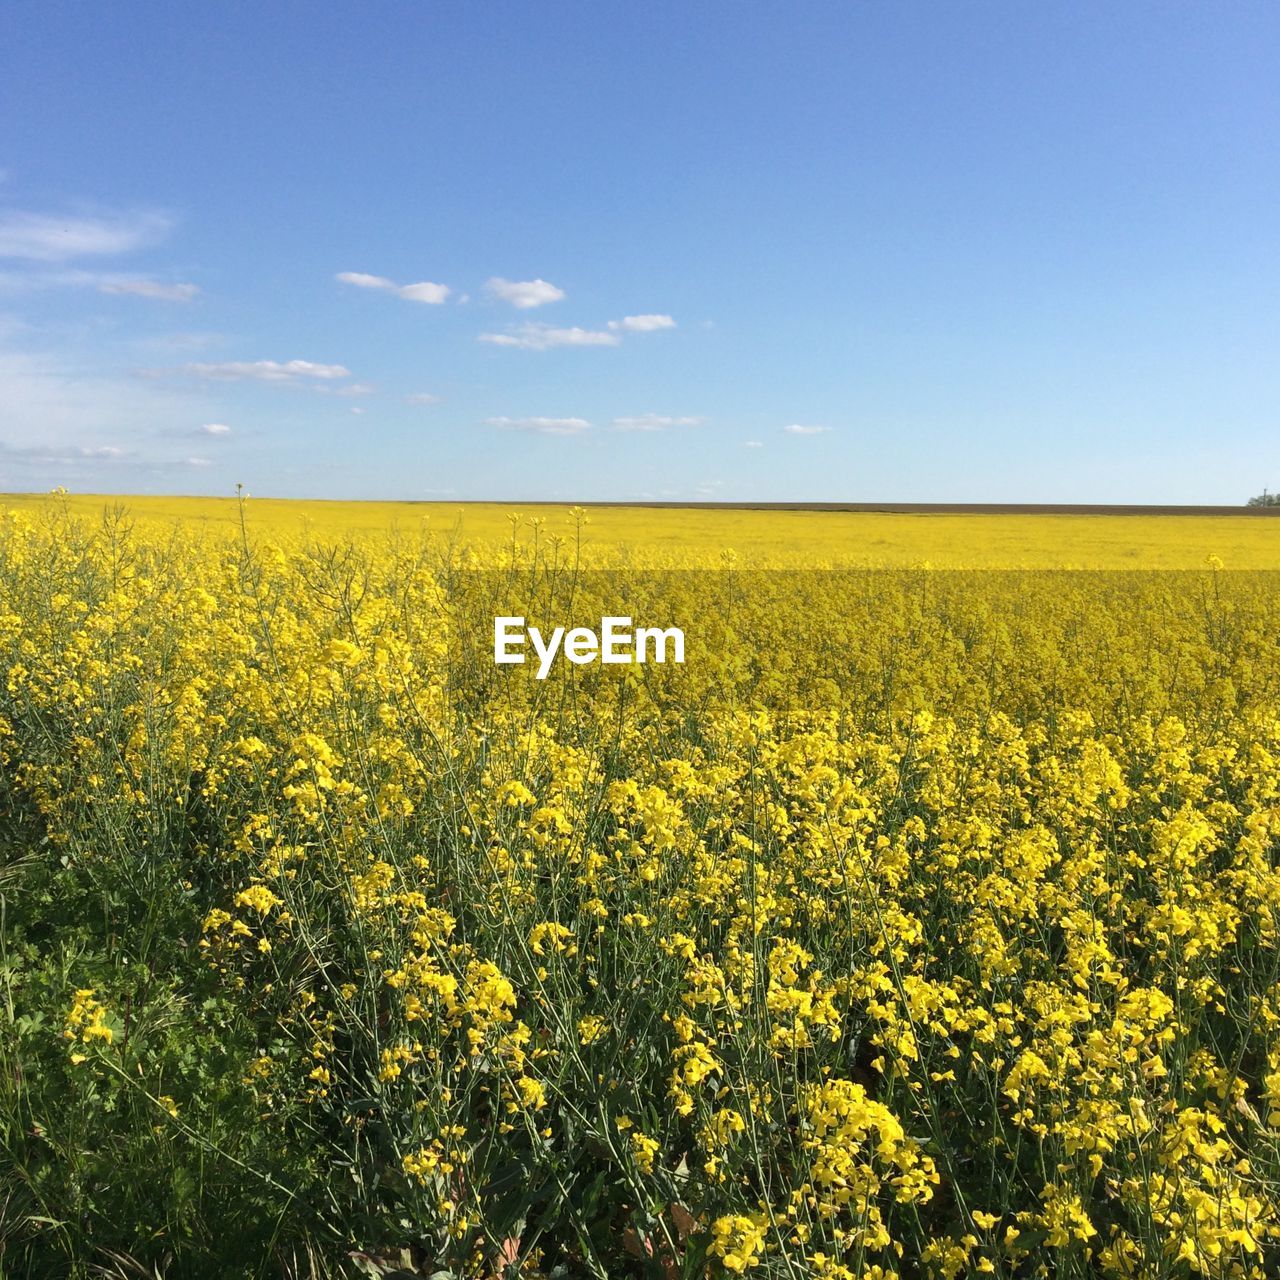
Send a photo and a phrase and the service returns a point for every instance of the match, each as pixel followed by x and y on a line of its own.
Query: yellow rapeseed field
pixel 694 536
pixel 924 923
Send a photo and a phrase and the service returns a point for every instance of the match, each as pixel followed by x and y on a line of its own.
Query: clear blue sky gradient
pixel 997 252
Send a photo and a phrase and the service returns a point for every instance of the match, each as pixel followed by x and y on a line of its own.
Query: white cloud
pixel 642 324
pixel 362 280
pixel 547 426
pixel 424 291
pixel 797 429
pixel 753 444
pixel 196 462
pixel 524 294
pixel 215 429
pixel 38 237
pixel 356 389
pixel 541 337
pixel 422 397
pixel 152 289
pixel 265 370
pixel 655 422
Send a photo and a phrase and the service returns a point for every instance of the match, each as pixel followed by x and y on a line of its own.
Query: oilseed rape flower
pixel 591 1028
pixel 738 1240
pixel 259 897
pixel 644 1149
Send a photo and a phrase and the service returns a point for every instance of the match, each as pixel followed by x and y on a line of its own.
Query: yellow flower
pixel 259 897
pixel 532 1094
pixel 86 1021
pixel 738 1240
pixel 643 1149
pixel 591 1028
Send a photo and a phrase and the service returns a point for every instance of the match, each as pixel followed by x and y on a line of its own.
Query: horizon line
pixel 886 508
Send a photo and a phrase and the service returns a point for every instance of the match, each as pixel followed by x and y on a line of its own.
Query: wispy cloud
pixel 753 444
pixel 183 341
pixel 156 289
pixel 214 429
pixel 541 337
pixel 54 463
pixel 798 429
pixel 422 397
pixel 642 324
pixel 52 409
pixel 362 280
pixel 39 237
pixel 423 291
pixel 265 370
pixel 524 294
pixel 546 426
pixel 36 454
pixel 31 277
pixel 655 422
pixel 63 423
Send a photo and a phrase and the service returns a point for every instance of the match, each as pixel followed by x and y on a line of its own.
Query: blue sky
pixel 826 251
